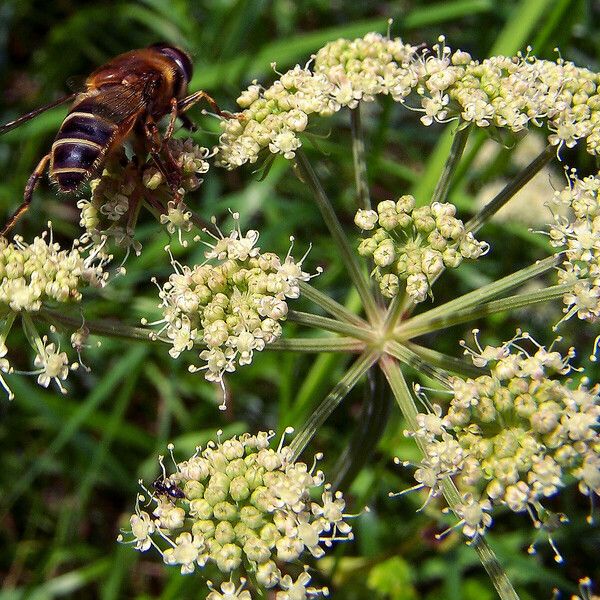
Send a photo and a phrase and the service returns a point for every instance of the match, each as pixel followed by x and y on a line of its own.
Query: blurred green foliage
pixel 70 464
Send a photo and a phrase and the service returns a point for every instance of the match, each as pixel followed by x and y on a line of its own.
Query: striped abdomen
pixel 80 145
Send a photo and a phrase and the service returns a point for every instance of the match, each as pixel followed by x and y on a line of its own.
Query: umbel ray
pixel 123 99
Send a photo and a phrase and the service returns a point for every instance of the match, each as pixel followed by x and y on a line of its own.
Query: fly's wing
pixel 119 104
pixel 34 113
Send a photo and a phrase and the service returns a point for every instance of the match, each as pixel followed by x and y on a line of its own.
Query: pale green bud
pixel 225 511
pixel 193 489
pixel 239 489
pixel 224 533
pixel 204 528
pixel 384 255
pixel 228 558
pixel 200 508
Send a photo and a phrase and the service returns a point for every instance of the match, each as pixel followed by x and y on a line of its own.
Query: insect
pixel 165 488
pixel 124 98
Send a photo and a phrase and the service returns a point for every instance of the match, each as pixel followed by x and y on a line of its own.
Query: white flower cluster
pixel 246 508
pixel 506 92
pixel 112 211
pixel 344 73
pixel 36 275
pixel 512 93
pixel 578 238
pixel 512 437
pixel 414 245
pixel 40 272
pixel 233 302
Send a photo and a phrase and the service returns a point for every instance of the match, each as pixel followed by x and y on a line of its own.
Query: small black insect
pixel 164 487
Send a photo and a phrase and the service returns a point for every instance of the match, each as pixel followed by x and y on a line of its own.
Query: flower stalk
pixel 355 271
pixel 405 401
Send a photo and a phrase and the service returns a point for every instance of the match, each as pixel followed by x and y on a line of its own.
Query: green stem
pixel 519 181
pixel 423 323
pixel 405 401
pixel 440 194
pixel 394 313
pixel 348 254
pixel 319 322
pixel 362 364
pixel 318 344
pixel 483 310
pixel 413 360
pixel 370 427
pixel 106 328
pixel 337 310
pixel 118 330
pixel 360 163
pixel 443 361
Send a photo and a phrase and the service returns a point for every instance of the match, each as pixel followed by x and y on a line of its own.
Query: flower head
pixel 503 92
pixel 513 436
pixel 413 245
pixel 243 505
pixel 578 242
pixel 233 302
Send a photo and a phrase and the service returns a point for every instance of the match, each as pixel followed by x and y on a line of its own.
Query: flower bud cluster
pixel 243 507
pixel 110 213
pixel 41 272
pixel 190 159
pixel 414 245
pixel 345 73
pixel 33 276
pixel 514 436
pixel 578 239
pixel 505 92
pixel 233 302
pixel 512 93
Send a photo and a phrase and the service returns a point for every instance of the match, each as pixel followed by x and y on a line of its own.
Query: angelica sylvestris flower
pixel 36 275
pixel 512 436
pixel 578 239
pixel 344 73
pixel 244 507
pixel 233 302
pixel 504 92
pixel 411 246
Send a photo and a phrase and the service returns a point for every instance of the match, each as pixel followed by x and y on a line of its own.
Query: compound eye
pixel 179 57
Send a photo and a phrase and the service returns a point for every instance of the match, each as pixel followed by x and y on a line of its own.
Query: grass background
pixel 70 464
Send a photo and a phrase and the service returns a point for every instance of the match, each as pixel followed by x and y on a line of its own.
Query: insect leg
pixel 189 101
pixel 187 123
pixel 27 194
pixel 170 172
pixel 172 119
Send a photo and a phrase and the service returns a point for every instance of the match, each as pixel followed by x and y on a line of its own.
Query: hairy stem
pixel 424 322
pixel 443 361
pixel 413 360
pixel 317 345
pixel 114 329
pixel 106 328
pixel 319 322
pixel 348 254
pixel 337 310
pixel 472 313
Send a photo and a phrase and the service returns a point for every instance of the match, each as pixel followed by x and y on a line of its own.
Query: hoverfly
pixel 126 97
